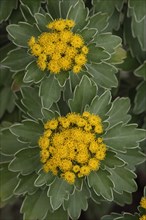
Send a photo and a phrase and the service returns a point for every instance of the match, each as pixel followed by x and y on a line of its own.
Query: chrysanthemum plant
pixel 60 156
pixel 141 215
pixel 65 41
pixel 74 143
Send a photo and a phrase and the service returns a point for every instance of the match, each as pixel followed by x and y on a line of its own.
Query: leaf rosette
pixel 80 49
pixel 49 194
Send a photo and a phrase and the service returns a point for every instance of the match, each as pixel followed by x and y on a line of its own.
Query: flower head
pixel 69 149
pixel 143 202
pixel 63 50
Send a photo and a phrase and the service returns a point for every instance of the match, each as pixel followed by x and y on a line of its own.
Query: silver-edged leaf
pixel 118 112
pixel 100 105
pixel 101 184
pixel 36 206
pixel 103 74
pixel 140 98
pixel 33 73
pixel 65 7
pixel 26 184
pixel 6 11
pixel 22 32
pixel 8 181
pixel 77 202
pixel 125 198
pixel 32 101
pixel 22 57
pixel 78 13
pixel 33 5
pixel 58 192
pixel 50 91
pixel 141 71
pixel 112 160
pixel 132 157
pixel 26 161
pixel 83 95
pixel 42 21
pixel 99 21
pixel 123 180
pixel 57 214
pixel 122 137
pixel 54 8
pixel 44 178
pixel 28 131
pixel 9 143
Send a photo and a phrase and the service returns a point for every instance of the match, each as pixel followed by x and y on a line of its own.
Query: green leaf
pixel 9 143
pixel 59 191
pixel 7 100
pixel 112 160
pixel 103 74
pixel 98 21
pixel 57 214
pixel 36 206
pixel 118 112
pixel 7 9
pixel 44 178
pixel 101 184
pixel 88 34
pixel 32 101
pixel 121 137
pixel 79 14
pixel 83 95
pixel 62 78
pixel 108 41
pixel 26 185
pixel 141 71
pixel 22 32
pixel 100 105
pixel 65 7
pixel 22 57
pixel 118 57
pixel 133 157
pixel 29 131
pixel 139 8
pixel 123 180
pixel 8 181
pixel 54 8
pixel 96 54
pixel 50 114
pixel 140 98
pixel 33 5
pixel 104 7
pixel 126 198
pixel 27 14
pixel 42 21
pixel 76 202
pixel 33 73
pixel 26 161
pixel 50 91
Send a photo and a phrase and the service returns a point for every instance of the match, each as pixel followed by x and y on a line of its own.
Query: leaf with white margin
pixel 44 178
pixel 22 32
pixel 42 21
pixel 36 206
pixel 32 101
pixel 59 191
pixel 33 5
pixel 141 71
pixel 9 181
pixel 28 131
pixel 122 137
pixel 103 74
pixel 26 161
pixel 77 202
pixel 108 41
pixel 83 95
pixel 101 184
pixel 123 180
pixel 58 214
pixel 112 160
pixel 132 157
pixel 22 57
pixel 100 105
pixel 26 184
pixel 118 112
pixel 122 199
pixel 50 91
pixel 98 21
pixel 9 142
pixel 79 14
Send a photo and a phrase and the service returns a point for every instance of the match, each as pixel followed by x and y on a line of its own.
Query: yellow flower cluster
pixel 59 49
pixel 143 217
pixel 71 146
pixel 143 202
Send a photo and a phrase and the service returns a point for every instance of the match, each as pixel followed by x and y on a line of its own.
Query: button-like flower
pixel 72 42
